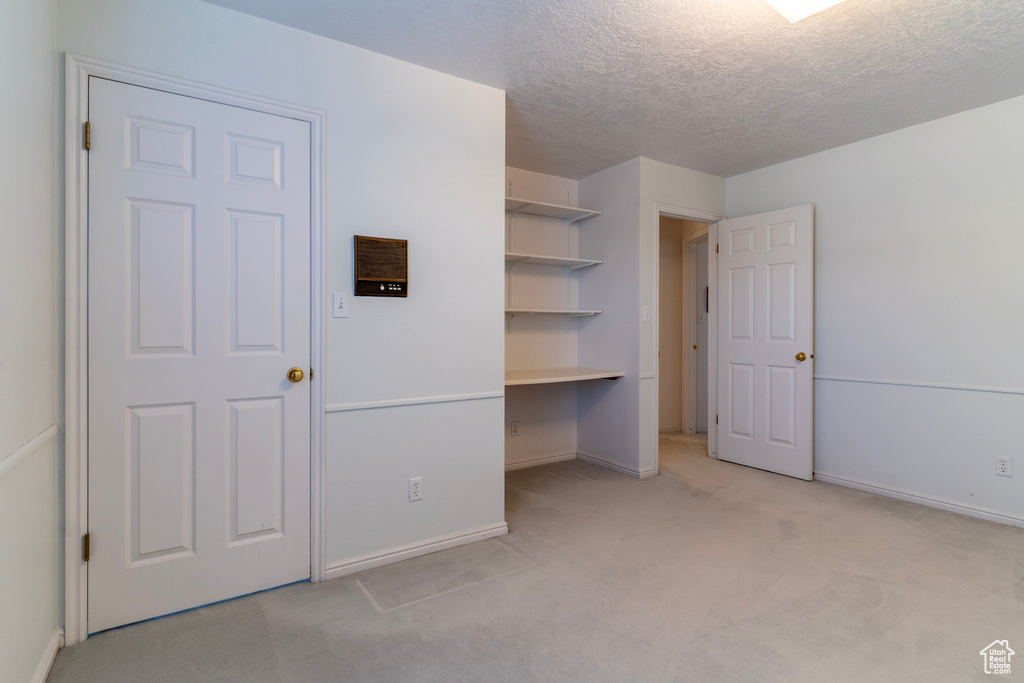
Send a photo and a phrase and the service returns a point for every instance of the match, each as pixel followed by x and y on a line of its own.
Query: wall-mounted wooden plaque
pixel 382 266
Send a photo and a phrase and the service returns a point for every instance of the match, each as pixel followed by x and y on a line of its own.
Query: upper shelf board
pixel 555 375
pixel 571 263
pixel 557 311
pixel 566 213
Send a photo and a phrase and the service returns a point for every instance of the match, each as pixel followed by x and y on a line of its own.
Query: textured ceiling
pixel 721 86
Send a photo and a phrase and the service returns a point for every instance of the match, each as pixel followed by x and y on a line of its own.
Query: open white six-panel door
pixel 765 326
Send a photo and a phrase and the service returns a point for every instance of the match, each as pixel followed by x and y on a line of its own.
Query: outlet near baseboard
pixel 415 489
pixel 1004 466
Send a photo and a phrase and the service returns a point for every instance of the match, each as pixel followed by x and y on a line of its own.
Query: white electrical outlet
pixel 515 427
pixel 340 305
pixel 1004 466
pixel 415 489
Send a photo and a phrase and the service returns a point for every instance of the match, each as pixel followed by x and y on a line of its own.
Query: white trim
pixel 76 105
pixel 922 385
pixel 418 401
pixel 655 416
pixel 636 474
pixel 363 562
pixel 543 460
pixel 713 341
pixel 77 70
pixel 979 513
pixel 317 351
pixel 55 643
pixel 19 456
pixel 687 214
pixel 678 429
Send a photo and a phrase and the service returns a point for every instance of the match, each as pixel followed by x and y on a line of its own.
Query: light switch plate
pixel 340 302
pixel 647 314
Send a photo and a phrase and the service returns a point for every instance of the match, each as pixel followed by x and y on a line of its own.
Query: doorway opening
pixel 760 333
pixel 683 320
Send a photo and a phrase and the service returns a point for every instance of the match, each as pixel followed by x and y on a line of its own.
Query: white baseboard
pixel 543 460
pixel 406 552
pixel 49 654
pixel 636 474
pixel 922 500
pixel 669 430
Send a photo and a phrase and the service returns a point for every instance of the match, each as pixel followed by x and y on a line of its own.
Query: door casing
pixel 77 71
pixel 712 221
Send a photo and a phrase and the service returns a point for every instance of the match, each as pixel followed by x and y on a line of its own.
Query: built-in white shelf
pixel 554 375
pixel 557 311
pixel 538 260
pixel 565 213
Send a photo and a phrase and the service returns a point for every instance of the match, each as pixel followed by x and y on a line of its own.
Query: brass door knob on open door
pixel 295 375
pixel 800 357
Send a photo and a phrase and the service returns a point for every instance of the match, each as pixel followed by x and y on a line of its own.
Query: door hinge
pixel 88 135
pixel 716 419
pixel 85 548
pixel 311 373
pixel 716 248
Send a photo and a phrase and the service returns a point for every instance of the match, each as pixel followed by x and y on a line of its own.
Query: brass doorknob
pixel 295 375
pixel 800 357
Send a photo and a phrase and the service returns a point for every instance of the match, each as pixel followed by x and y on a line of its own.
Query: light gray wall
pixel 608 412
pixel 29 535
pixel 619 424
pixel 410 153
pixel 28 372
pixel 917 304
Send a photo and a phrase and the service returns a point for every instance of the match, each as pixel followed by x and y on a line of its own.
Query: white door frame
pixel 713 340
pixel 691 215
pixel 77 71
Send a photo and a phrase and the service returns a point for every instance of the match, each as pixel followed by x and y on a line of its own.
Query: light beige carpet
pixel 707 572
pixel 422 578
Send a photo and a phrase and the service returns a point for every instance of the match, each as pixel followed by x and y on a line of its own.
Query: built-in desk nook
pixel 544 268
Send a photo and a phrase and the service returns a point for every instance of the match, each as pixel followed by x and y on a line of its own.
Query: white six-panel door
pixel 199 304
pixel 765 322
